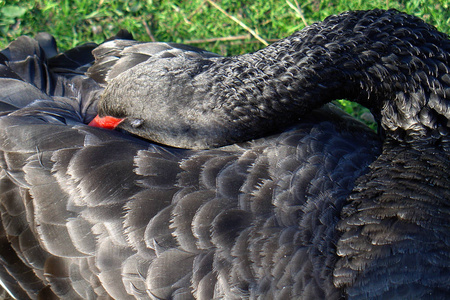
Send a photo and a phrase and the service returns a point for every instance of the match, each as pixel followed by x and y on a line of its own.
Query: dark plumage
pixel 321 208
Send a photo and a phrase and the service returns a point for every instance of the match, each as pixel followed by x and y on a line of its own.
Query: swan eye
pixel 135 123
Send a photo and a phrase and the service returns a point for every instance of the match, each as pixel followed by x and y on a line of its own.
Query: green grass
pixel 197 21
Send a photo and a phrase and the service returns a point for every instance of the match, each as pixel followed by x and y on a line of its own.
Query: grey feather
pixel 299 201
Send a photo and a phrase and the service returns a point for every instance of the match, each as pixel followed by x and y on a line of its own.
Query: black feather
pixel 300 202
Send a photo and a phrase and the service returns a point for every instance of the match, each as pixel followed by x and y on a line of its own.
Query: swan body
pixel 300 201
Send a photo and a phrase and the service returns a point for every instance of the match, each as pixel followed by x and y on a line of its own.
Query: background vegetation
pixel 227 27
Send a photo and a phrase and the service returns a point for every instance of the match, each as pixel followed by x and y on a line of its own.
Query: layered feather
pixel 323 209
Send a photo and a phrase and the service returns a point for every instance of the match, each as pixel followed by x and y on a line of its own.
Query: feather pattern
pixel 322 208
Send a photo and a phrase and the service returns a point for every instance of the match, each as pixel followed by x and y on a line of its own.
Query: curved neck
pixel 374 58
pixel 392 63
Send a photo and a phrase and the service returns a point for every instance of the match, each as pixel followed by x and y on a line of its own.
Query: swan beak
pixel 106 122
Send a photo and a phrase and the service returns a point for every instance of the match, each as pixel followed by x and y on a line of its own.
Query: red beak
pixel 106 122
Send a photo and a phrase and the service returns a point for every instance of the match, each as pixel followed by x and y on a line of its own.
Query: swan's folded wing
pixel 105 214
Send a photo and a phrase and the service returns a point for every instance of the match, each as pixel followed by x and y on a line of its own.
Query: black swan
pixel 280 196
